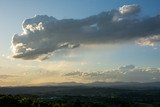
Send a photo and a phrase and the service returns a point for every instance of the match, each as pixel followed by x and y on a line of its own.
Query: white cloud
pixel 149 41
pixel 129 9
pixel 43 35
pixel 128 73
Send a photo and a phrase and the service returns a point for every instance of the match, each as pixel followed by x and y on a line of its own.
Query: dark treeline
pixel 76 96
pixel 75 101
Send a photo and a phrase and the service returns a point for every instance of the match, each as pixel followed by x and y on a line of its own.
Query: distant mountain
pixel 129 85
pixel 73 88
pixel 60 84
pixel 107 84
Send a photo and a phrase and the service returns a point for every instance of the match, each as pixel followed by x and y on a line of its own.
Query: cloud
pixel 7 76
pixel 128 73
pixel 149 41
pixel 127 67
pixel 129 9
pixel 43 35
pixel 76 73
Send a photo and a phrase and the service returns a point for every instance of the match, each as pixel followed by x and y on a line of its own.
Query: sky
pixel 44 41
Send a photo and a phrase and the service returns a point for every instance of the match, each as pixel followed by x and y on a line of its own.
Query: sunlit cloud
pixel 129 9
pixel 7 76
pixel 128 73
pixel 44 35
pixel 149 41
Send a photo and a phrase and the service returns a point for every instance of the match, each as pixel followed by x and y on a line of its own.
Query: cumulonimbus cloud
pixel 43 35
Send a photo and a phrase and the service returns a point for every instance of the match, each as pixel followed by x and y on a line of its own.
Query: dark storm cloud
pixel 43 35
